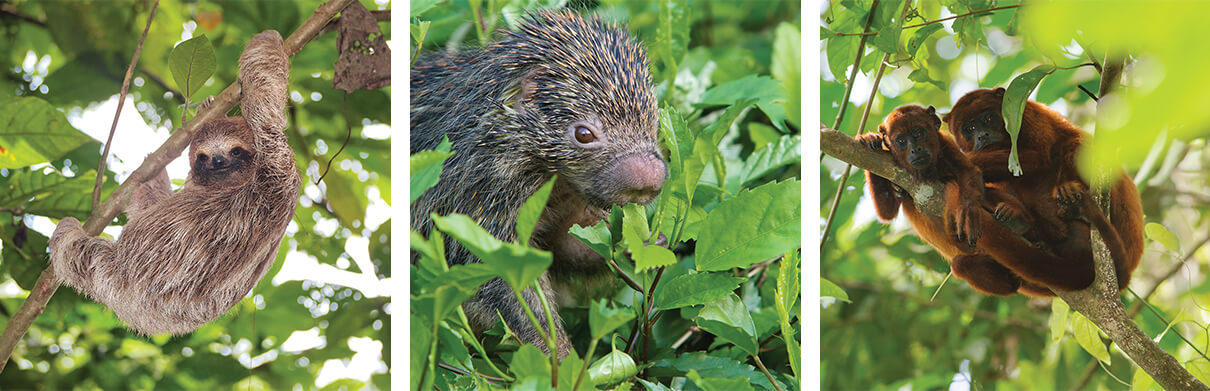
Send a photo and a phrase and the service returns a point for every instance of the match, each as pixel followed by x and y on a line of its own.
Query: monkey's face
pixel 911 134
pixel 975 120
pixel 221 154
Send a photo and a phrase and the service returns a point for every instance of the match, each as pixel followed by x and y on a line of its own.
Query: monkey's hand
pixel 961 215
pixel 873 141
pixel 1012 217
pixel 1070 192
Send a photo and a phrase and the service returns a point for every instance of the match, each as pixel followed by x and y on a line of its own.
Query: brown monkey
pixel 185 258
pixel 1050 186
pixel 982 251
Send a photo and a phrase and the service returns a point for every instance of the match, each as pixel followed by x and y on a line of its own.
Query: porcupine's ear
pixel 521 96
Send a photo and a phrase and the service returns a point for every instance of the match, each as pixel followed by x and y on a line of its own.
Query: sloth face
pixel 221 155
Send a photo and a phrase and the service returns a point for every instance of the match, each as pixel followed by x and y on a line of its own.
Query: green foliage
pixel 729 121
pixel 64 58
pixel 192 62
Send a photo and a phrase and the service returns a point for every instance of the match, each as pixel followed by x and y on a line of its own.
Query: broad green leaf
pixel 1089 337
pixel 1141 381
pixel 714 366
pixel 1200 369
pixel 571 365
pixel 672 35
pixel 830 289
pixel 1159 233
pixel 694 289
pixel 418 7
pixel 753 226
pixel 651 256
pixel 768 93
pixel 348 205
pixel 192 62
pixel 922 34
pixel 635 230
pixel 603 320
pixel 450 347
pixel 32 131
pixel 49 194
pixel 529 362
pixel 729 319
pixel 718 383
pixel 527 216
pixel 23 264
pixel 705 146
pixel 1013 108
pixel 426 171
pixel 443 300
pixel 337 385
pixel 922 76
pixel 653 386
pixel 841 52
pixel 787 58
pixel 772 156
pixel 1058 319
pixel 787 295
pixel 517 265
pixel 596 237
pixel 612 368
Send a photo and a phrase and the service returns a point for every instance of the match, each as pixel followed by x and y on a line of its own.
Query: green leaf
pixel 694 289
pixel 705 146
pixel 418 7
pixel 718 383
pixel 603 320
pixel 612 368
pixel 1159 233
pixel 49 194
pixel 635 229
pixel 1200 369
pixel 527 216
pixel 753 226
pixel 922 76
pixel 1141 381
pixel 517 265
pixel 768 93
pixel 771 156
pixel 23 264
pixel 729 319
pixel 830 289
pixel 672 35
pixel 426 171
pixel 1013 108
pixel 651 256
pixel 1089 337
pixel 192 62
pixel 787 60
pixel 529 362
pixel 920 36
pixel 596 237
pixel 32 131
pixel 787 294
pixel 1058 319
pixel 841 53
pixel 337 385
pixel 348 205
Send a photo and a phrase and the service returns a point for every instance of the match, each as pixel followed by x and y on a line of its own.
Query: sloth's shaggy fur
pixel 185 258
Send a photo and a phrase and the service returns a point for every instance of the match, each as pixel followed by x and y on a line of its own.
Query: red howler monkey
pixel 982 251
pixel 1050 186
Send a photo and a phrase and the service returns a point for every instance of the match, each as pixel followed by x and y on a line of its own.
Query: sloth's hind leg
pixel 74 255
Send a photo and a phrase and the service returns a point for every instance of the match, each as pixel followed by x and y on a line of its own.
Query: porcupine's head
pixel 584 107
pixel 221 154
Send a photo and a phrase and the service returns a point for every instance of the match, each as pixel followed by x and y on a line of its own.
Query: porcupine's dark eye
pixel 583 135
pixel 586 134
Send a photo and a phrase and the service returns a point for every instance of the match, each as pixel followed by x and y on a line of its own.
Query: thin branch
pixel 932 21
pixel 7 9
pixel 113 127
pixel 100 217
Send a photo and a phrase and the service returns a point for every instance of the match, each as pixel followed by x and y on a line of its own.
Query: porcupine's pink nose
pixel 641 176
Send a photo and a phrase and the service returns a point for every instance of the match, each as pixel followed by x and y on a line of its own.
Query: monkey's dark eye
pixel 237 152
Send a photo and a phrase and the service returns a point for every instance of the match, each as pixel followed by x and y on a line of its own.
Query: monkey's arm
pixel 994 163
pixel 964 196
pixel 882 191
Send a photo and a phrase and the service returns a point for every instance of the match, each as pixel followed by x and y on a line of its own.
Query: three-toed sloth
pixel 185 258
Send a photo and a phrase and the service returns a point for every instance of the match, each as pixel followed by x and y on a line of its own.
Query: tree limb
pixel 928 196
pixel 101 216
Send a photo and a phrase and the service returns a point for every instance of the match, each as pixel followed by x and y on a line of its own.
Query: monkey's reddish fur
pixel 1051 188
pixel 999 257
pixel 186 258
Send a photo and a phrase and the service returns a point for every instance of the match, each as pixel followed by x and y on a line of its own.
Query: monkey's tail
pixel 1117 249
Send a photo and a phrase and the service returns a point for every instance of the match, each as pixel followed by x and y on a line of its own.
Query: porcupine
pixel 562 95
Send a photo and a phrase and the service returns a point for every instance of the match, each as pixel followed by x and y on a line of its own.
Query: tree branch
pixel 928 196
pixel 100 217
